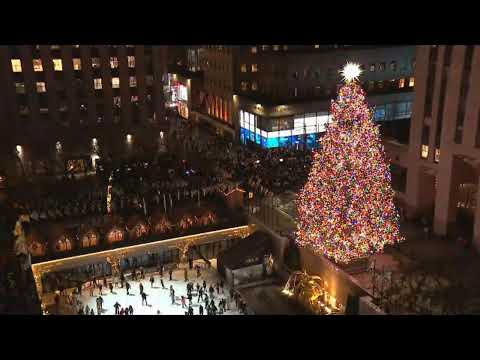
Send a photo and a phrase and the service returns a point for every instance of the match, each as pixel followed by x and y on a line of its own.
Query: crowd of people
pixel 199 298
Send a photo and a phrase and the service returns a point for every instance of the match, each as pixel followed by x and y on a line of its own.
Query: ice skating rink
pixel 159 299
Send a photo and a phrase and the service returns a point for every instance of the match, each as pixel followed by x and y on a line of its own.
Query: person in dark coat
pixel 217 287
pixel 151 281
pixel 161 271
pixel 204 285
pixel 190 310
pixel 141 288
pixel 170 274
pixel 130 309
pixel 100 286
pixel 144 298
pixel 161 282
pixel 200 294
pixel 122 311
pixel 91 312
pixel 122 279
pixel 116 306
pixel 110 285
pixel 127 286
pixel 200 310
pixel 185 274
pixel 211 291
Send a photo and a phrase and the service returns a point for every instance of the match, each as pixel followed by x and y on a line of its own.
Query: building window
pixel 134 98
pixel 254 67
pixel 117 101
pixel 20 88
pixel 243 68
pixel 381 66
pixel 380 84
pixel 265 47
pixel 411 82
pixel 132 80
pixel 57 65
pixel 393 66
pixel 149 80
pixel 372 67
pixel 276 47
pixel 244 85
pixel 317 46
pixel 41 87
pixel 115 82
pixel 77 64
pixel 285 47
pixel 401 83
pixel 424 153
pixel 371 84
pixel 437 155
pixel 113 62
pixel 96 62
pixel 37 65
pixel 254 86
pixel 253 49
pixel 97 84
pixel 295 75
pixel 131 61
pixel 16 65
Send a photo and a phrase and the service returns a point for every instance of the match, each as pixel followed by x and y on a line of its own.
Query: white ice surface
pixel 158 298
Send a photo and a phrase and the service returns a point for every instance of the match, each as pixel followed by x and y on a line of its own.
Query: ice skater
pixel 170 274
pixel 217 287
pixel 122 279
pixel 200 295
pixel 200 310
pixel 204 286
pixel 161 282
pixel 110 285
pixel 144 298
pixel 127 286
pixel 130 309
pixel 185 274
pixel 116 306
pixel 141 288
pixel 172 294
pixel 151 281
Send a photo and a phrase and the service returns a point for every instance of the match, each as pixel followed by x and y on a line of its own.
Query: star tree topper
pixel 350 72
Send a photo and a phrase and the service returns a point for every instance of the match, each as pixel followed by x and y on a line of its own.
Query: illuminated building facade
pixel 444 152
pixel 62 101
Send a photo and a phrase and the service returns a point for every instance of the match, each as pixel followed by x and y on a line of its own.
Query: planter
pixel 355 267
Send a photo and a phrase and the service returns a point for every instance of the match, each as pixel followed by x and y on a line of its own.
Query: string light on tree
pixel 346 210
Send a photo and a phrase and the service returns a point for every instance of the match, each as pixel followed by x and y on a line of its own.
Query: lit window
pixel 254 85
pixel 96 63
pixel 381 66
pixel 134 98
pixel 295 92
pixel 437 155
pixel 276 47
pixel 243 68
pixel 372 67
pixel 244 85
pixel 113 62
pixel 77 64
pixel 117 101
pixel 132 81
pixel 41 87
pixel 254 67
pixel 16 65
pixel 131 61
pixel 37 65
pixel 253 49
pixel 401 83
pixel 20 88
pixel 285 47
pixel 424 153
pixel 317 46
pixel 411 82
pixel 380 84
pixel 393 66
pixel 115 82
pixel 97 84
pixel 54 47
pixel 57 65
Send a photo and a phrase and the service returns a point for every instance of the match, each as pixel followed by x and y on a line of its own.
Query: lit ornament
pixel 351 72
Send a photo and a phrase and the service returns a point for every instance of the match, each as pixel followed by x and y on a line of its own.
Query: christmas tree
pixel 346 210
